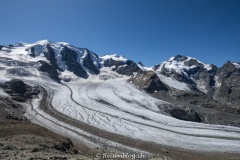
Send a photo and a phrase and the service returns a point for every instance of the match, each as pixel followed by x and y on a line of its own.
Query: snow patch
pixel 236 65
pixel 208 66
pixel 171 82
pixel 114 57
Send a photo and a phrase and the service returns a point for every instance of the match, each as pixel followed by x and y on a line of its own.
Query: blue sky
pixel 146 30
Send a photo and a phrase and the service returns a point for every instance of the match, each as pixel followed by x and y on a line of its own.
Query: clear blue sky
pixel 146 30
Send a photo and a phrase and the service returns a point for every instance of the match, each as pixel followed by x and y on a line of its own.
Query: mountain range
pixel 183 88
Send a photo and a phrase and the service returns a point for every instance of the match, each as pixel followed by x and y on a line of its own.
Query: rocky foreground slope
pixel 110 104
pixel 21 139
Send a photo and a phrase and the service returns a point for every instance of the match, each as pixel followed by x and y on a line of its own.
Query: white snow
pixel 2 93
pixel 208 66
pixel 236 65
pixel 178 66
pixel 114 57
pixel 217 82
pixel 201 85
pixel 171 58
pixel 171 82
pixel 68 75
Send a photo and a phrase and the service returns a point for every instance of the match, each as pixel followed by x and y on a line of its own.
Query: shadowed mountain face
pixel 149 81
pixel 20 91
pixel 70 59
pixel 229 78
pixel 128 68
pixel 122 67
pixel 48 68
pixel 89 63
pixel 50 55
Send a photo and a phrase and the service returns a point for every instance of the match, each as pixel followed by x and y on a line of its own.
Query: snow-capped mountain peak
pixel 43 42
pixel 61 56
pixel 237 65
pixel 178 58
pixel 181 63
pixel 187 70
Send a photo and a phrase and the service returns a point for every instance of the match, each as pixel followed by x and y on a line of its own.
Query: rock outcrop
pixel 50 70
pixel 19 91
pixel 89 64
pixel 122 67
pixel 50 55
pixel 70 58
pixel 229 78
pixel 183 113
pixel 148 81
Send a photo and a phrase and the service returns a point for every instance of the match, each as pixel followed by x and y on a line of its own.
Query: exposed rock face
pixel 50 55
pixel 182 113
pixel 196 98
pixel 229 78
pixel 187 115
pixel 121 67
pixel 52 71
pixel 180 58
pixel 141 64
pixel 11 110
pixel 111 62
pixel 176 75
pixel 21 72
pixel 32 52
pixel 203 79
pixel 155 67
pixel 191 62
pixel 128 68
pixel 70 58
pixel 148 81
pixel 89 64
pixel 20 91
